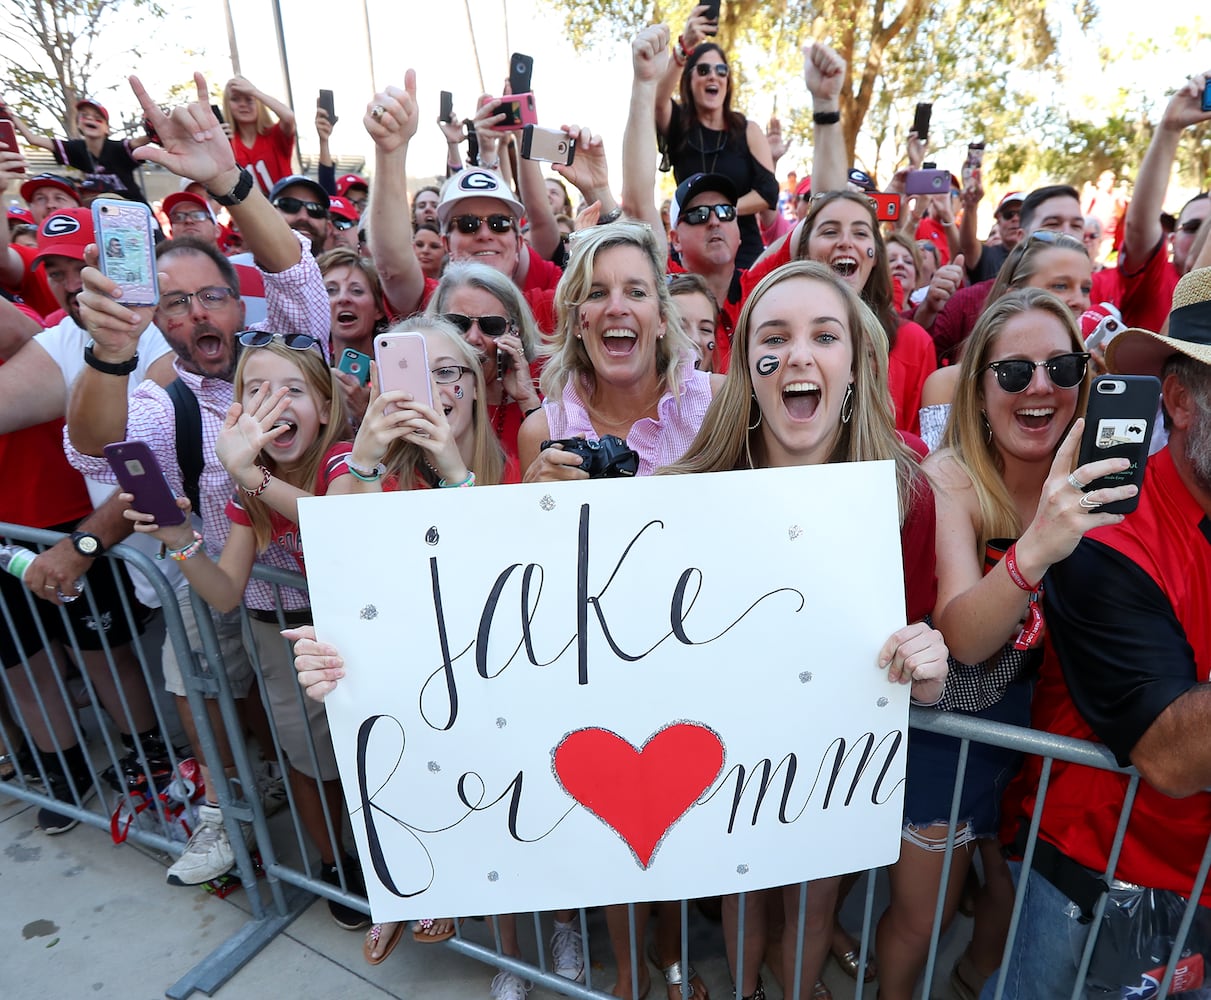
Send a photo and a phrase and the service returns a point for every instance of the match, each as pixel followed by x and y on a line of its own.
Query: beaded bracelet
pixel 469 481
pixel 266 476
pixel 187 551
pixel 373 476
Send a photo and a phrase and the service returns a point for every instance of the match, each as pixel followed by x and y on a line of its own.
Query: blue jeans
pixel 1047 949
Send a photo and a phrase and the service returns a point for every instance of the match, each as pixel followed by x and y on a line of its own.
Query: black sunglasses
pixel 1066 371
pixel 295 341
pixel 341 225
pixel 704 69
pixel 292 205
pixel 1191 225
pixel 491 326
pixel 468 224
pixel 698 215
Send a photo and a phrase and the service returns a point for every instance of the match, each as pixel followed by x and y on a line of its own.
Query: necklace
pixel 702 150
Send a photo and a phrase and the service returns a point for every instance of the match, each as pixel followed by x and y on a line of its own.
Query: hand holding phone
pixel 920 120
pixel 446 114
pixel 547 144
pixel 1118 424
pixel 355 363
pixel 328 103
pixel 402 360
pixel 138 473
pixel 125 232
pixel 519 111
pixel 8 139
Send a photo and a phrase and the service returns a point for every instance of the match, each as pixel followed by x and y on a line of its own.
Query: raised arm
pixel 391 119
pixel 284 112
pixel 649 56
pixel 1142 225
pixel 969 234
pixel 588 172
pixel 29 135
pixel 698 28
pixel 824 74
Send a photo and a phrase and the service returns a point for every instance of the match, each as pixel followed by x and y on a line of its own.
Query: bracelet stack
pixel 187 551
pixel 469 481
pixel 370 476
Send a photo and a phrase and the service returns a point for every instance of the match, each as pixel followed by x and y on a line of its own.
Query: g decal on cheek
pixel 767 365
pixel 870 251
pixel 458 392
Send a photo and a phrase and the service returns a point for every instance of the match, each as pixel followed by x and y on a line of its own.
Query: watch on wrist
pixel 242 189
pixel 612 216
pixel 87 544
pixel 108 367
pixel 826 117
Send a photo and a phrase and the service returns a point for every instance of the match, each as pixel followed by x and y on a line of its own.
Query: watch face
pixel 88 545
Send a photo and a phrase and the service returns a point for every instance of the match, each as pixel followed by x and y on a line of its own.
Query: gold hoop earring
pixel 847 404
pixel 757 423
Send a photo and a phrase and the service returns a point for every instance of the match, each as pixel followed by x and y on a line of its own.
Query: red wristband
pixel 1015 574
pixel 1032 631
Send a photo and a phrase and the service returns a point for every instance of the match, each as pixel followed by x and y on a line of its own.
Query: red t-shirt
pixel 931 229
pixel 268 158
pixel 33 288
pixel 285 531
pixel 1144 296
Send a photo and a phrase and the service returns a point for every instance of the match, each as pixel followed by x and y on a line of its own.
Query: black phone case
pixel 1120 426
pixel 920 120
pixel 521 70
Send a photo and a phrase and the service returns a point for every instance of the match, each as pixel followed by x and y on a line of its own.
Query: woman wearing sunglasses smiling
pixel 702 134
pixel 1009 505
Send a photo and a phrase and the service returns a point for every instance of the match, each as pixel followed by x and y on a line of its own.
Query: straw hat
pixel 1141 352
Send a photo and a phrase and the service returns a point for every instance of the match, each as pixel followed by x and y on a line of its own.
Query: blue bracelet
pixel 366 477
pixel 469 481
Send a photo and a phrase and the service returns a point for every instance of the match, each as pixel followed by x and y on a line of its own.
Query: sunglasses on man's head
pixel 294 341
pixel 1066 371
pixel 343 224
pixel 292 205
pixel 705 69
pixel 468 224
pixel 1191 225
pixel 490 326
pixel 698 215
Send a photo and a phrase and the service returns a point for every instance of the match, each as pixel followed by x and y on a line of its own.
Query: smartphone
pixel 927 182
pixel 446 115
pixel 1118 424
pixel 521 70
pixel 975 160
pixel 1206 105
pixel 1107 329
pixel 354 363
pixel 8 138
pixel 920 120
pixel 519 111
pixel 713 10
pixel 547 144
pixel 218 113
pixel 887 206
pixel 126 243
pixel 329 106
pixel 403 363
pixel 140 474
pixel 504 362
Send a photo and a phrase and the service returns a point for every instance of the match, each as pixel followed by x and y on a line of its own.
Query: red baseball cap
pixel 65 233
pixel 18 214
pixel 343 208
pixel 175 199
pixel 88 102
pixel 347 181
pixel 48 180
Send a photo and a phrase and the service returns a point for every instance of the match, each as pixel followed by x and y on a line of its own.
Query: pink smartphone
pixel 403 363
pixel 140 474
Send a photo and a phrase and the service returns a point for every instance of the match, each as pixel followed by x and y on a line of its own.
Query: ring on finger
pixel 48 586
pixel 1075 483
pixel 377 112
pixel 1089 504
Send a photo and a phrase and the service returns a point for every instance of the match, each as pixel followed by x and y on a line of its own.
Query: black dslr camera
pixel 609 458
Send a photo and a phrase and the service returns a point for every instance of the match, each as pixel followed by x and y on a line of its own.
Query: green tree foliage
pixel 968 55
pixel 51 52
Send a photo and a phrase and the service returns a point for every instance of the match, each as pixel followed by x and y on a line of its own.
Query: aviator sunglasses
pixel 704 69
pixel 490 326
pixel 292 205
pixel 294 341
pixel 1066 371
pixel 468 224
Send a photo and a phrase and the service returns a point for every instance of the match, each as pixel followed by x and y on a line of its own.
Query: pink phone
pixel 139 473
pixel 403 363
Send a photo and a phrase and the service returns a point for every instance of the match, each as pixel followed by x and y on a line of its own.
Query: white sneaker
pixel 507 986
pixel 567 952
pixel 208 853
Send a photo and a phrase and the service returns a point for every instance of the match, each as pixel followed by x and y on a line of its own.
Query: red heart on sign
pixel 641 793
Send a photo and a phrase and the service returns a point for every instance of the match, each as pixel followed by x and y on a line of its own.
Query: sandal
pixel 848 960
pixel 424 933
pixel 758 993
pixel 821 992
pixel 8 767
pixel 673 978
pixel 375 935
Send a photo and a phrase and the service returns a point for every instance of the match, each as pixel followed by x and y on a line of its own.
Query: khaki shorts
pixel 231 646
pixel 294 714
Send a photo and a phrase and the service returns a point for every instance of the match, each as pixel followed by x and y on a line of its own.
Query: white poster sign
pixel 574 694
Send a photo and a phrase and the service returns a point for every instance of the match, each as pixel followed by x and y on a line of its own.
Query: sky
pixel 586 88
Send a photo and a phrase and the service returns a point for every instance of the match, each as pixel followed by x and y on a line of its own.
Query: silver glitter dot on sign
pixel 742 869
pixel 882 702
pixel 501 722
pixel 492 876
pixel 368 613
pixel 434 766
pixel 805 676
pixel 431 536
pixel 547 502
pixel 794 531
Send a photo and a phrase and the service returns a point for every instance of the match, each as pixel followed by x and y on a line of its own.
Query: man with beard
pixel 200 313
pixel 1129 665
pixel 304 205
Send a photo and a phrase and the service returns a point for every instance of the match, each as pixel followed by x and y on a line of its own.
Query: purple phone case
pixel 139 474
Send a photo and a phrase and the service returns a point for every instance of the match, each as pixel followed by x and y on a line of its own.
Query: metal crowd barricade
pixel 291 879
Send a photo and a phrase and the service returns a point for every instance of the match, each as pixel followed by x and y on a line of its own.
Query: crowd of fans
pixel 722 331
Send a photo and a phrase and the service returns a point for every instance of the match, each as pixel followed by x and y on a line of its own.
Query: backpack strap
pixel 189 438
